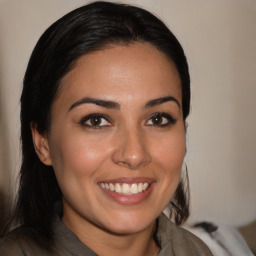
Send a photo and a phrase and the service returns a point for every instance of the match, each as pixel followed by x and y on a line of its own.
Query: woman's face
pixel 117 138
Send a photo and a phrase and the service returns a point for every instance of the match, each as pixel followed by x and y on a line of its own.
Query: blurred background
pixel 219 38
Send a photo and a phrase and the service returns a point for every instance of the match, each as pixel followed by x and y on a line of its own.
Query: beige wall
pixel 219 38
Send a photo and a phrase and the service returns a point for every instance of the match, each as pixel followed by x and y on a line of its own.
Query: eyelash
pixel 95 115
pixel 169 120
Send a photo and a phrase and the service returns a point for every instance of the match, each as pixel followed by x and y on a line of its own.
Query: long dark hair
pixel 86 29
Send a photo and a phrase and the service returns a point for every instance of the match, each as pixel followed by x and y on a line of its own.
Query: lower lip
pixel 129 199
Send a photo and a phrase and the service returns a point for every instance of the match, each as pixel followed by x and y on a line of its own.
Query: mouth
pixel 128 191
pixel 125 188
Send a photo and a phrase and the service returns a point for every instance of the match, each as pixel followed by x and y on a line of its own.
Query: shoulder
pixel 21 241
pixel 183 240
pixel 12 244
pixel 178 240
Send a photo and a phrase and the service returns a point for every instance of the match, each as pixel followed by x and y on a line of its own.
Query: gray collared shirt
pixel 173 241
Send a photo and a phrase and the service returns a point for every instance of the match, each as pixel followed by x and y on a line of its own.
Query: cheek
pixel 170 153
pixel 77 156
pixel 168 160
pixel 76 162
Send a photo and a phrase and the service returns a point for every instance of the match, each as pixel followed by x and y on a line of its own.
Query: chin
pixel 130 224
pixel 127 229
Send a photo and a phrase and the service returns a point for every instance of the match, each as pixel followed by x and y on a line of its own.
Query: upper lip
pixel 129 180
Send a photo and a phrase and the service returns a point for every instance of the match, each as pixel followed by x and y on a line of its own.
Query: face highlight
pixel 117 138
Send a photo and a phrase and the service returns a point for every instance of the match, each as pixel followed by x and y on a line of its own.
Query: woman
pixel 103 108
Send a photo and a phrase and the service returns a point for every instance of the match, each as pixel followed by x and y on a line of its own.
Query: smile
pixel 124 188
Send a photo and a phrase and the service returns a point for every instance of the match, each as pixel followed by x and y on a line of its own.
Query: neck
pixel 108 243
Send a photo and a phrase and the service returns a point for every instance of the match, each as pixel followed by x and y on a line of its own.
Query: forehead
pixel 119 71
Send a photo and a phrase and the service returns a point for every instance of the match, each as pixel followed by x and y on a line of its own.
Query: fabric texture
pixel 249 234
pixel 173 241
pixel 224 240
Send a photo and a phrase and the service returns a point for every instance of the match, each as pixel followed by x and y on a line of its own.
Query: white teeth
pixel 134 188
pixel 124 188
pixel 145 186
pixel 140 187
pixel 111 187
pixel 118 188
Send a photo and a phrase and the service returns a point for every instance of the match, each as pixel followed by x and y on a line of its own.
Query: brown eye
pixel 160 120
pixel 157 119
pixel 95 121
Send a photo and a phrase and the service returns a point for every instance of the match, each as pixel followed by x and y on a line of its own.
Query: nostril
pixel 131 162
pixel 131 151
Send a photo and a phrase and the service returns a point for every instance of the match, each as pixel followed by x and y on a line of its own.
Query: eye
pixel 95 121
pixel 160 119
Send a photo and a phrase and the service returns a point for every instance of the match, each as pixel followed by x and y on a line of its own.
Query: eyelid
pixel 95 115
pixel 171 120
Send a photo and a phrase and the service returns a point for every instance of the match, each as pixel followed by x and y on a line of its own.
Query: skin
pixel 129 143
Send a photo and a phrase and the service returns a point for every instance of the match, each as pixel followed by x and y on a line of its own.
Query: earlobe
pixel 41 145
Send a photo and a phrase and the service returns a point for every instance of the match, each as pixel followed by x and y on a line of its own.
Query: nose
pixel 131 150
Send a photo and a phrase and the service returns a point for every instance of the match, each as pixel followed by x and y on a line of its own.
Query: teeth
pixel 134 188
pixel 118 188
pixel 140 188
pixel 145 186
pixel 111 187
pixel 125 189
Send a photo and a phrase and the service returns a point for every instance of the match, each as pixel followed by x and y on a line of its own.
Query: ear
pixel 41 145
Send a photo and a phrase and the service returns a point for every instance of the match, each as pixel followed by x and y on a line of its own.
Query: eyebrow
pixel 114 105
pixel 156 102
pixel 99 102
